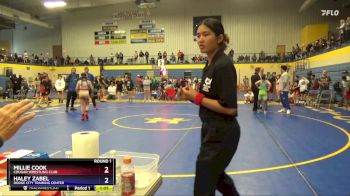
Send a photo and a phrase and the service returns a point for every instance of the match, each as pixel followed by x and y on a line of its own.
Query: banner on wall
pixel 102 37
pixel 138 36
pixel 155 36
pixel 147 36
pixel 118 37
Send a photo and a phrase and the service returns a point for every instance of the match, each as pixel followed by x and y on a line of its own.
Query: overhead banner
pixel 138 36
pixel 118 37
pixel 102 37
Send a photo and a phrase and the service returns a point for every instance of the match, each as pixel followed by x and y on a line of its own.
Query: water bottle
pixel 128 177
pixel 69 154
pixel 113 154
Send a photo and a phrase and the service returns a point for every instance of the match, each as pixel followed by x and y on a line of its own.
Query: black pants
pixel 256 96
pixel 219 144
pixel 71 95
pixel 93 96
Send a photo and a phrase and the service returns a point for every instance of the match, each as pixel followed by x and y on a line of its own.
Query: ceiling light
pixel 55 4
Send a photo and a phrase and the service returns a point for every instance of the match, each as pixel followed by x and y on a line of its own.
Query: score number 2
pixel 106 170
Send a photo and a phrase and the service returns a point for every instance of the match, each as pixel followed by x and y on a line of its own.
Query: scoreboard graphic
pixel 60 174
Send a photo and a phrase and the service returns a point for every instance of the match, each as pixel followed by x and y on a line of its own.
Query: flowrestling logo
pixel 330 12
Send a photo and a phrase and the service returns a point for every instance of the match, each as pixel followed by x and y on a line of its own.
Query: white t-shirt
pixel 147 84
pixel 60 84
pixel 284 82
pixel 112 90
pixel 303 82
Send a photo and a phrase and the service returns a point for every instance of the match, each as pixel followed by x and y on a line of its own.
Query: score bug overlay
pixel 60 174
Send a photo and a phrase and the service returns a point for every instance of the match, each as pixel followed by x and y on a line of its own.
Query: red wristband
pixel 199 98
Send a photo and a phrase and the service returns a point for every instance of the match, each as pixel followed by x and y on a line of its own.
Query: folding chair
pixel 311 98
pixel 324 96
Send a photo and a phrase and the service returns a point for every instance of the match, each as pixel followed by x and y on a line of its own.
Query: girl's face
pixel 207 41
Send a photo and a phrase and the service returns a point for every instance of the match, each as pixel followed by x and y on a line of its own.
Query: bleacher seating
pixel 334 71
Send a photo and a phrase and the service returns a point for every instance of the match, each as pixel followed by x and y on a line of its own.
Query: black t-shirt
pixel 119 85
pixel 219 82
pixel 253 80
pixel 129 85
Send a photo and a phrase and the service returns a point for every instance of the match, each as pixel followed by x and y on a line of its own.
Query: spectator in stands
pixel 112 91
pixel 67 60
pixel 25 57
pixel 247 58
pixel 139 84
pixel 77 61
pixel 246 83
pixel 261 56
pixel 20 79
pixel 178 56
pixel 15 85
pixel 169 91
pixel 147 89
pixel 118 57
pixel 147 55
pixel 159 55
pixel 324 81
pixel 314 83
pixel 7 89
pixel 249 97
pixel 121 57
pixel 36 87
pixel 60 85
pixel 16 57
pixel 341 29
pixel 92 60
pixel 130 88
pixel 194 59
pixel 12 118
pixel 339 93
pixel 152 61
pixel 346 90
pixel 165 57
pixel 347 29
pixel 103 86
pixel 136 55
pixel 254 58
pixel 303 84
pixel 119 83
pixel 142 57
pixel 172 58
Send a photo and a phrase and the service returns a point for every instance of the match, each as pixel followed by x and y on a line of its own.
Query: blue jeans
pixel 284 100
